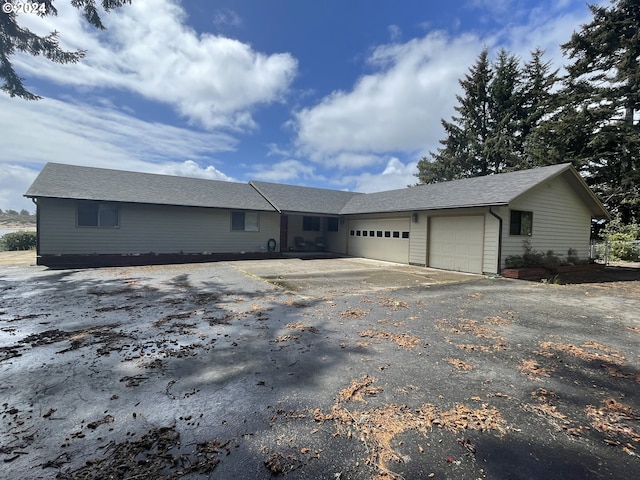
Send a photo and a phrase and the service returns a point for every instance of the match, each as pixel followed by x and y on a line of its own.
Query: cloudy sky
pixel 344 94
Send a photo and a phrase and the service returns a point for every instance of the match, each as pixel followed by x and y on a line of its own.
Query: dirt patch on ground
pixel 27 257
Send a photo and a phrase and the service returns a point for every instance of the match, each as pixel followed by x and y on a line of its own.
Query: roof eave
pixel 430 209
pixel 164 204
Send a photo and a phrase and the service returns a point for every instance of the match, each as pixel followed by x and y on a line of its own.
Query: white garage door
pixel 381 239
pixel 456 243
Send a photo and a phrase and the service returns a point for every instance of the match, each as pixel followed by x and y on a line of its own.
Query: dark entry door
pixel 284 232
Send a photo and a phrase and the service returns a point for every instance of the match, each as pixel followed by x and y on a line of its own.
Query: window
pixel 244 221
pixel 521 223
pixel 352 233
pixel 379 233
pixel 371 233
pixel 387 234
pixel 97 214
pixel 405 234
pixel 364 233
pixel 332 224
pixel 396 234
pixel 357 233
pixel 311 224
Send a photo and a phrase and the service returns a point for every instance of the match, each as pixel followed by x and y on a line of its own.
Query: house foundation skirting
pixel 95 260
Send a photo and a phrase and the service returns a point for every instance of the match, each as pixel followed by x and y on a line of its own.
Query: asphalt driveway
pixel 338 370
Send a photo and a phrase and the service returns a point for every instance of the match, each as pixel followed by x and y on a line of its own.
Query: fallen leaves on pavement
pixel 403 340
pixel 300 327
pixel 378 426
pixel 392 303
pixel 157 454
pixel 615 419
pixel 588 351
pixel 459 364
pixel 533 370
pixel 466 326
pixel 353 313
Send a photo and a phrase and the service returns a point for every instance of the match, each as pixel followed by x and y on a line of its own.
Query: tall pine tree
pixel 503 150
pixel 501 105
pixel 538 102
pixel 463 150
pixel 602 97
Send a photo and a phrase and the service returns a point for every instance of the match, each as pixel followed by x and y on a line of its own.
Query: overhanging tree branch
pixel 14 40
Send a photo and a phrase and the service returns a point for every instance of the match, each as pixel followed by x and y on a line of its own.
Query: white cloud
pixel 190 168
pixel 283 171
pixel 398 108
pixel 495 7
pixel 14 182
pixel 54 131
pixel 351 160
pixel 148 49
pixel 226 17
pixel 395 175
pixel 545 33
pixel 395 32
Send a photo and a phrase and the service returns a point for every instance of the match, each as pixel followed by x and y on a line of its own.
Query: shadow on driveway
pixel 351 369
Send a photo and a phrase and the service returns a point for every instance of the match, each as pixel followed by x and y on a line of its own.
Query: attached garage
pixel 456 243
pixel 380 238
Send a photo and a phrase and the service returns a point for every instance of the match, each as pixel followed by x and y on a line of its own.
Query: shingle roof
pixel 291 198
pixel 470 192
pixel 87 183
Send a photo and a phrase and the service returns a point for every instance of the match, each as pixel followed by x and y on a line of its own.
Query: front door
pixel 284 232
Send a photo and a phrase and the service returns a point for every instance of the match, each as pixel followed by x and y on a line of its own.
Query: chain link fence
pixel 615 251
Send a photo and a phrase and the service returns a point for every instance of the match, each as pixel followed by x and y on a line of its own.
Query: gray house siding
pixel 150 228
pixel 560 221
pixel 337 241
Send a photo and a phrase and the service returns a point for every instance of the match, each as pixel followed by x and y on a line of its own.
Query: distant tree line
pixel 512 115
pixel 22 212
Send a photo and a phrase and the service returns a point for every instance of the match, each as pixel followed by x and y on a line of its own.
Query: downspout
pixel 499 239
pixel 34 200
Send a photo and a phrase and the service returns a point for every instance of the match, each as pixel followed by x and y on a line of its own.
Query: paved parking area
pixel 328 276
pixel 337 369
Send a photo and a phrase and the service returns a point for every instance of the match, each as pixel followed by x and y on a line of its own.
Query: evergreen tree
pixel 538 102
pixel 14 39
pixel 501 105
pixel 504 150
pixel 463 150
pixel 602 97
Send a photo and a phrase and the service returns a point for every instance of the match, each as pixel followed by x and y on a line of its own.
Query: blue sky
pixel 334 94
